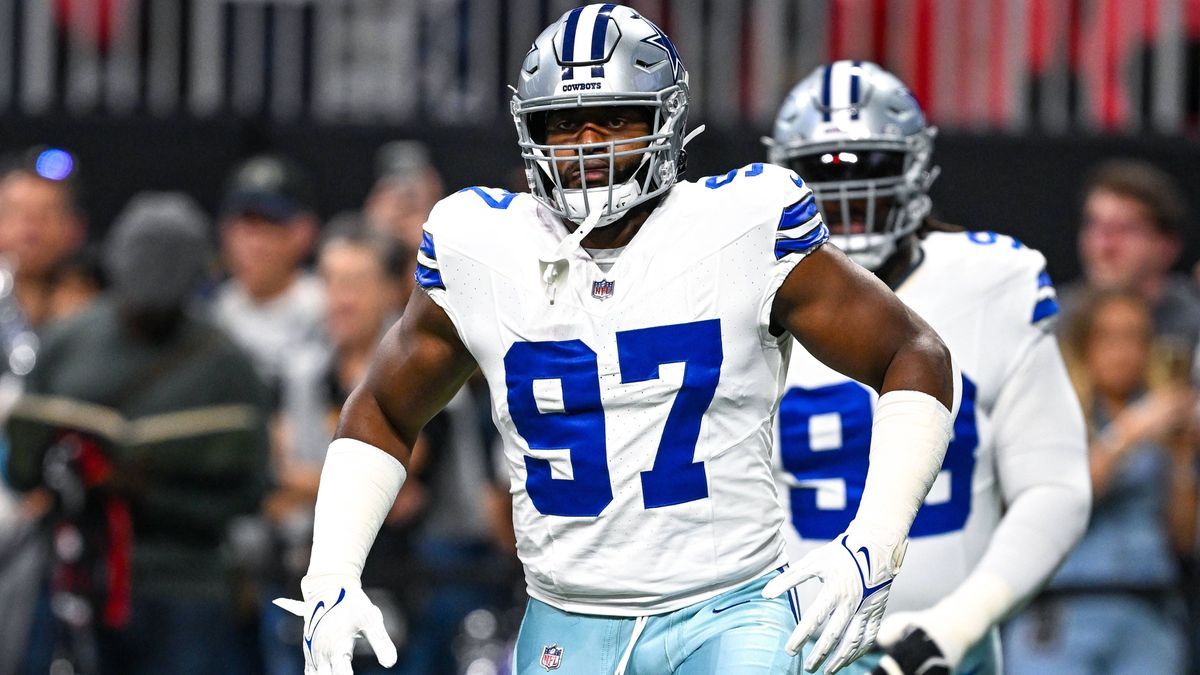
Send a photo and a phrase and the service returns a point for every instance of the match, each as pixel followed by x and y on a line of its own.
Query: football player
pixel 633 330
pixel 1013 494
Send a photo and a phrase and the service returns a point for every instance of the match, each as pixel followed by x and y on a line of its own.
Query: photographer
pixel 149 426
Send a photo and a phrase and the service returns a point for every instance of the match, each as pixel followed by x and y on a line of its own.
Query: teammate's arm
pixel 417 368
pixel 849 320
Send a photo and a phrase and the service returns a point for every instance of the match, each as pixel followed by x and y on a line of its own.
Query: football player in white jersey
pixel 1013 494
pixel 633 331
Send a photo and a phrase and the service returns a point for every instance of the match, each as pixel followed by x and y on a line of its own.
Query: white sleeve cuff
pixel 359 483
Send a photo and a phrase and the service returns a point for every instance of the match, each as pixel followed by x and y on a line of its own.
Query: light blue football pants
pixel 733 633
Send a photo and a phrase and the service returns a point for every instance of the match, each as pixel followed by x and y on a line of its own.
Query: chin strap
pixel 557 267
pixel 691 134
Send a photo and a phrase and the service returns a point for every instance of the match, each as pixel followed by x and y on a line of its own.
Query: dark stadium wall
pixel 1024 186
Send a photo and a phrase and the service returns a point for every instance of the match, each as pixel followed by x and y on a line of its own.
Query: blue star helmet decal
pixel 660 40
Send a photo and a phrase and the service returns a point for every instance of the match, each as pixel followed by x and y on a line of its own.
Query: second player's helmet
pixel 858 138
pixel 601 55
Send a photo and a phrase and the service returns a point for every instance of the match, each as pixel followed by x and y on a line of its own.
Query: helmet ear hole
pixel 900 104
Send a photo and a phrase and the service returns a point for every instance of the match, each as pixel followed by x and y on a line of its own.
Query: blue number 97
pixel 674 478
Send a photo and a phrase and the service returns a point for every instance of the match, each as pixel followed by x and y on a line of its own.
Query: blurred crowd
pixel 1129 335
pixel 170 392
pixel 164 453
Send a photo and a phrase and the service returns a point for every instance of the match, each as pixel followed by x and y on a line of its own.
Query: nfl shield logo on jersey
pixel 552 657
pixel 603 289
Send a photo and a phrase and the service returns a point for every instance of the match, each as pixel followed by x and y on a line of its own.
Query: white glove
pixel 856 572
pixel 335 611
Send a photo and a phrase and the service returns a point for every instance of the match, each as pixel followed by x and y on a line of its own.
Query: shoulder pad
pixel 764 189
pixel 1000 263
pixel 478 202
pixel 454 220
pixel 776 197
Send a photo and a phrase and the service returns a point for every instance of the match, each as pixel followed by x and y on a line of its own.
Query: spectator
pixel 150 427
pixel 407 187
pixel 40 224
pixel 75 281
pixel 363 272
pixel 449 544
pixel 1115 606
pixel 270 305
pixel 465 543
pixel 1132 234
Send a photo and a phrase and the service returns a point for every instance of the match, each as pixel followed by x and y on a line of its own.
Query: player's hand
pixel 335 611
pixel 856 572
pixel 918 642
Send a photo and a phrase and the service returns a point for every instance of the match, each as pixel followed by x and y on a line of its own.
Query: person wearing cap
pixel 270 305
pixel 40 224
pixel 155 421
pixel 363 272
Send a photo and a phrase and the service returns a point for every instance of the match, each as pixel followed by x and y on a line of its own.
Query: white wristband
pixel 908 443
pixel 359 483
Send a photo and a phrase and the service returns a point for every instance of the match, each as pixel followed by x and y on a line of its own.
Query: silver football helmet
pixel 858 138
pixel 601 55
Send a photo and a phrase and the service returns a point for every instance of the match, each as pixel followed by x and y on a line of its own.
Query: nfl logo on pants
pixel 552 657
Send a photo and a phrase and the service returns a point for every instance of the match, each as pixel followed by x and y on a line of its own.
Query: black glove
pixel 915 654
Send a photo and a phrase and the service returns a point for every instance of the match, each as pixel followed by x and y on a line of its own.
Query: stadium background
pixel 170 94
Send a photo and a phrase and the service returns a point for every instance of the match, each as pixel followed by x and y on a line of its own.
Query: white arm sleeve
pixel 1041 454
pixel 359 483
pixel 908 444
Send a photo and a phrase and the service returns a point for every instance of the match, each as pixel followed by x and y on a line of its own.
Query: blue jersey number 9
pixel 825 438
pixel 578 428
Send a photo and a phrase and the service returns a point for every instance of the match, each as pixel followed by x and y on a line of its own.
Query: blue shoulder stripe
pixel 803 244
pixel 1044 279
pixel 427 245
pixel 1044 309
pixel 798 214
pixel 427 277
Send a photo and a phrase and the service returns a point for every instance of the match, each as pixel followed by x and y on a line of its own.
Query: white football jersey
pixel 990 299
pixel 635 409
